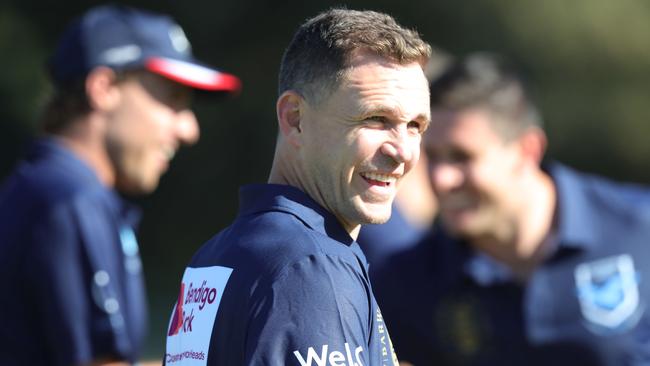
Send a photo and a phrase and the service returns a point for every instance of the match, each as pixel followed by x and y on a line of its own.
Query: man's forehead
pixel 361 56
pixel 447 118
pixel 460 124
pixel 410 75
pixel 404 83
pixel 374 63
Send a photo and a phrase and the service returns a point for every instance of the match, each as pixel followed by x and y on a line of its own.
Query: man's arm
pixel 75 329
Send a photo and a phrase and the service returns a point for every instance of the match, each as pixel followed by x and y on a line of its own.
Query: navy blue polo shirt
pixel 69 265
pixel 586 305
pixel 285 284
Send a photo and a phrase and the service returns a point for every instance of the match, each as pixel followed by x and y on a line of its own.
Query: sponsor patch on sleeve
pixel 192 320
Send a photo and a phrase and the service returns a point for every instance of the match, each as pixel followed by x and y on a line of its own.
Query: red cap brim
pixel 194 75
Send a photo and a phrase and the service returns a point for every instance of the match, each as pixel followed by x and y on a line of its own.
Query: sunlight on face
pixel 361 141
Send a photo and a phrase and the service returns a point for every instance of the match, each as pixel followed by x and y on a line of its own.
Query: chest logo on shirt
pixel 192 320
pixel 328 357
pixel 608 292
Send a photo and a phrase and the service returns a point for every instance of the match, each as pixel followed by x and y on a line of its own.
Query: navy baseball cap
pixel 124 38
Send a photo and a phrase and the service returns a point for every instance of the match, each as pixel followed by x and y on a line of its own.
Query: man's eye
pixel 436 156
pixel 376 119
pixel 458 157
pixel 415 125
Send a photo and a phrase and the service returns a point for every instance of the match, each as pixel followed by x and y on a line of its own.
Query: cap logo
pixel 179 41
pixel 121 55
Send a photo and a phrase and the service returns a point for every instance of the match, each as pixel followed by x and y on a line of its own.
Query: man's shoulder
pixel 31 200
pixel 46 183
pixel 603 196
pixel 267 242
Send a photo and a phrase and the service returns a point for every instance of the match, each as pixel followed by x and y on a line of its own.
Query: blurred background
pixel 588 62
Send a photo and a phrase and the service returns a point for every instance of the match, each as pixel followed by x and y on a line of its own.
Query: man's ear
pixel 101 89
pixel 290 110
pixel 533 144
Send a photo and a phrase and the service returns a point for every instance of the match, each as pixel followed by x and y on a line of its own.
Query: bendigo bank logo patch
pixel 181 320
pixel 193 317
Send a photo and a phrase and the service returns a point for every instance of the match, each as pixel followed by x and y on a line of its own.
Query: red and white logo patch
pixel 192 320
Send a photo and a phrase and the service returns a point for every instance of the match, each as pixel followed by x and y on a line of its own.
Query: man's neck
pixel 530 241
pixel 286 171
pixel 87 143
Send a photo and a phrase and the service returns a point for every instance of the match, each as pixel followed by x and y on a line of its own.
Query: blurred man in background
pixel 286 283
pixel 69 263
pixel 532 264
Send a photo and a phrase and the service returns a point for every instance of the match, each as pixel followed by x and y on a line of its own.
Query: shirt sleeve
pixel 316 312
pixel 73 327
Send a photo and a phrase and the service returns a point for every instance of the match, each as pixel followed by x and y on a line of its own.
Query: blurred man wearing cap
pixel 69 264
pixel 532 264
pixel 286 283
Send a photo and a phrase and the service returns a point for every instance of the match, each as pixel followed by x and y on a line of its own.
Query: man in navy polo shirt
pixel 533 264
pixel 286 283
pixel 70 271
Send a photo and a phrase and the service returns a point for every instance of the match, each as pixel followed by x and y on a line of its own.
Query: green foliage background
pixel 587 60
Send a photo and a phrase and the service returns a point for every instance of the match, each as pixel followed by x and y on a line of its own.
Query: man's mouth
pixel 384 180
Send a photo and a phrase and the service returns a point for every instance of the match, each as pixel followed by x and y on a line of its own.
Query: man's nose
pixel 445 176
pixel 402 146
pixel 187 128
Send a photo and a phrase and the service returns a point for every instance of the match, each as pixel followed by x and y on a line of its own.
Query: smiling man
pixel 120 109
pixel 531 263
pixel 290 283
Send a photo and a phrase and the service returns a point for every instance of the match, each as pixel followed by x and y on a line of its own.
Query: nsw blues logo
pixel 609 294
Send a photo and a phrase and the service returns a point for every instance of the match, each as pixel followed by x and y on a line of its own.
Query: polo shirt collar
pixel 576 211
pixel 51 149
pixel 257 198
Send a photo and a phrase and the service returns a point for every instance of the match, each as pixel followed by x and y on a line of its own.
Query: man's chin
pixel 377 220
pixel 137 187
pixel 456 224
pixel 464 229
pixel 376 214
